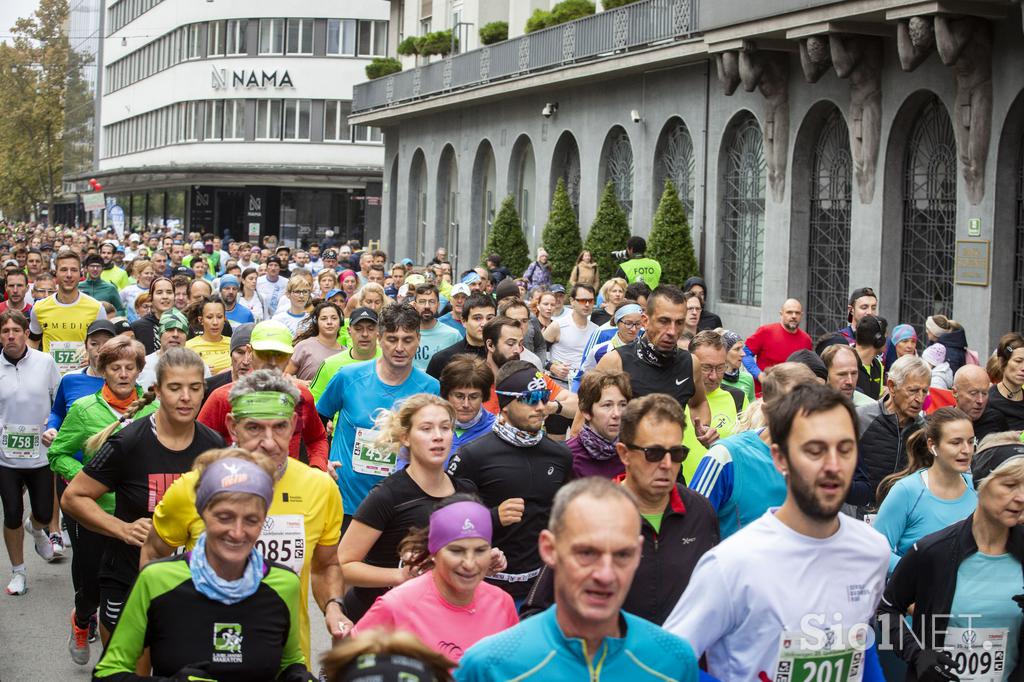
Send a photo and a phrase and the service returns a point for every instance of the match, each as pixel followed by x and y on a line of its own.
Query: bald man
pixel 970 387
pixel 773 343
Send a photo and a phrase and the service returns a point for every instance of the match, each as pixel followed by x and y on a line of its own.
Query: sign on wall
pixel 222 79
pixel 972 262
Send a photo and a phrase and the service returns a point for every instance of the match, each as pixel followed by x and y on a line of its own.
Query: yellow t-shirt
pixel 305 513
pixel 64 325
pixel 217 356
pixel 723 418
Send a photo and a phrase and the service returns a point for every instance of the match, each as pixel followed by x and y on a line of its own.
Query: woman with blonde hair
pixel 298 292
pixel 964 583
pixel 380 652
pixel 612 295
pixel 326 280
pixel 143 273
pixel 419 431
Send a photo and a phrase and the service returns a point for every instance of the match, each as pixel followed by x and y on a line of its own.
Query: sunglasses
pixel 656 453
pixel 529 397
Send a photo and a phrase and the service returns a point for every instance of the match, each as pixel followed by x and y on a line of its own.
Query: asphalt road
pixel 34 627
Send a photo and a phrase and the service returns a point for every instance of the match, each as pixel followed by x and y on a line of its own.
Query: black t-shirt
pixel 675 378
pixel 990 421
pixel 442 357
pixel 145 332
pixel 136 466
pixel 501 471
pixel 216 381
pixel 1013 410
pixel 600 316
pixel 394 506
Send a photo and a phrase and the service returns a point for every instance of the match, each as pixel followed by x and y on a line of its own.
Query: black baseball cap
pixel 861 293
pixel 990 459
pixel 93 259
pixel 273 259
pixel 121 326
pixel 182 270
pixel 330 253
pixel 361 314
pixel 101 326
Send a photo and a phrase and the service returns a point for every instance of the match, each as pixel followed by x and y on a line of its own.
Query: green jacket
pixel 102 290
pixel 641 268
pixel 88 415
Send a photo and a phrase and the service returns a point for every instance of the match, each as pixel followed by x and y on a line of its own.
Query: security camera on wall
pixel 549 109
pixel 635 115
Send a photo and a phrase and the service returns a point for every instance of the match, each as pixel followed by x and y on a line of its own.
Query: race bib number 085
pixel 284 540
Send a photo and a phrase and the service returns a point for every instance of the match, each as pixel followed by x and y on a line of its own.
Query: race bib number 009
pixel 21 441
pixel 800 664
pixel 367 459
pixel 284 540
pixel 979 653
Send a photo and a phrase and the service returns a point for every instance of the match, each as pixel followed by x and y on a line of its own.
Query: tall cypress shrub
pixel 507 239
pixel 609 232
pixel 671 242
pixel 561 235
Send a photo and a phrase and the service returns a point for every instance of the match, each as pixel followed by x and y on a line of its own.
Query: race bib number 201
pixel 800 664
pixel 979 653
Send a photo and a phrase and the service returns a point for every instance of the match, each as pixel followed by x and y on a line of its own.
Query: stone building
pixel 819 146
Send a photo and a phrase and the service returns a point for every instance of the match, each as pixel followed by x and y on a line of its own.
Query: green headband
pixel 263 405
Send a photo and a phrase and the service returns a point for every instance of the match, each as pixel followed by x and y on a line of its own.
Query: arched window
pixel 418 203
pixel 828 274
pixel 1018 268
pixel 618 167
pixel 742 257
pixel 929 216
pixel 566 165
pixel 484 196
pixel 448 198
pixel 522 180
pixel 675 162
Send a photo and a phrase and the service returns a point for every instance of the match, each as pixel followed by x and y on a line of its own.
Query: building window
pixel 373 38
pixel 341 37
pixel 676 163
pixel 300 36
pixel 214 120
pixel 1018 269
pixel 366 134
pixel 234 119
pixel 215 39
pixel 618 167
pixel 336 120
pixel 188 130
pixel 271 36
pixel 929 216
pixel 235 31
pixel 296 119
pixel 268 119
pixel 742 256
pixel 194 46
pixel 828 276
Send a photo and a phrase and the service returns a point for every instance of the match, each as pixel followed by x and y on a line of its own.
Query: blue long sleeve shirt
pixel 72 387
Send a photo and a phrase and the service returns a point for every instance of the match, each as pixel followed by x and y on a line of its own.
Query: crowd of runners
pixel 477 475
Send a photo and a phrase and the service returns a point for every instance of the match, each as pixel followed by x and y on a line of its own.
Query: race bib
pixel 21 441
pixel 284 540
pixel 979 653
pixel 67 355
pixel 798 663
pixel 367 459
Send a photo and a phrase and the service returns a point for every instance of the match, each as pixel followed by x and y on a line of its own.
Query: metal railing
pixel 605 33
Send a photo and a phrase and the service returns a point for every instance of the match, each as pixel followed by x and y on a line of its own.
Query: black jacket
pixel 688 530
pixel 708 320
pixel 926 577
pixel 956 348
pixel 883 450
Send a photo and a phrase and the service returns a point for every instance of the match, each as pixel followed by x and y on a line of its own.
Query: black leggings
pixel 40 494
pixel 85 564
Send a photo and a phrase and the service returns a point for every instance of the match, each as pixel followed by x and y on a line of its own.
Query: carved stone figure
pixel 915 40
pixel 727 64
pixel 859 58
pixel 815 57
pixel 966 45
pixel 769 73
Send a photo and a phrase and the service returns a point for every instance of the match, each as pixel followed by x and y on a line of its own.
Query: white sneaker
pixel 58 546
pixel 44 547
pixel 17 585
pixel 65 538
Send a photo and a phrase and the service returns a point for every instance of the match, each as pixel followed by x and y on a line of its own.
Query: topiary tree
pixel 507 239
pixel 409 46
pixel 613 4
pixel 382 66
pixel 567 10
pixel 671 243
pixel 436 42
pixel 561 236
pixel 609 232
pixel 540 19
pixel 494 32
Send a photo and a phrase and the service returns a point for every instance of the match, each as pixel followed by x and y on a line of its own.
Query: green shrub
pixel 609 232
pixel 494 32
pixel 567 10
pixel 437 42
pixel 409 47
pixel 382 66
pixel 507 238
pixel 561 235
pixel 540 19
pixel 613 4
pixel 671 242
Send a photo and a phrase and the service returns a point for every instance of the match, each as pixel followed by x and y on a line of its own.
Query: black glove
pixel 935 666
pixel 194 672
pixel 1019 599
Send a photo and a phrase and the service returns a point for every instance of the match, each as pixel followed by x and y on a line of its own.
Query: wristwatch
pixel 336 600
pixel 559 410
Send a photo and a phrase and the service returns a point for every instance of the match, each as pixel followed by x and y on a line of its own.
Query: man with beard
pixel 503 339
pixel 477 311
pixel 800 585
pixel 434 336
pixel 774 343
pixel 240 314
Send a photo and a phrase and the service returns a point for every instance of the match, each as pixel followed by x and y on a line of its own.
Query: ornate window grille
pixel 829 272
pixel 677 164
pixel 1018 270
pixel 929 217
pixel 568 160
pixel 619 169
pixel 742 256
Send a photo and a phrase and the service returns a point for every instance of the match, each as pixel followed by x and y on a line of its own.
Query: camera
pixel 620 256
pixel 549 110
pixel 635 115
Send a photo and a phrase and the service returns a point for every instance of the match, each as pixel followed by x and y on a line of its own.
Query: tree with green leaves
pixel 507 239
pixel 671 242
pixel 609 231
pixel 561 235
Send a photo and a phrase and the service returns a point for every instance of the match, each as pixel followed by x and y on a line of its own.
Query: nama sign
pixel 220 79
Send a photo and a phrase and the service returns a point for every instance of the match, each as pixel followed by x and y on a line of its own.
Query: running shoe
pixel 44 547
pixel 17 585
pixel 78 642
pixel 94 628
pixel 58 546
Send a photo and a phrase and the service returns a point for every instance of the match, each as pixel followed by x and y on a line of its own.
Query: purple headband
pixel 234 475
pixel 458 521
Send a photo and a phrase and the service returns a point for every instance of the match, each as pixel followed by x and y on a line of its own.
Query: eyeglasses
pixel 630 325
pixel 301 292
pixel 585 301
pixel 529 397
pixel 656 453
pixel 43 292
pixel 717 369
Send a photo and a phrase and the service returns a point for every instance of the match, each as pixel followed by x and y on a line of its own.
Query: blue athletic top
pixel 72 386
pixel 537 650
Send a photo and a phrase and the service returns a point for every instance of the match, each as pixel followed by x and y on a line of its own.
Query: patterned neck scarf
pixel 650 355
pixel 597 447
pixel 516 437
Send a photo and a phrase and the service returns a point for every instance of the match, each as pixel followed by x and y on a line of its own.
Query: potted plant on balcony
pixel 494 32
pixel 382 66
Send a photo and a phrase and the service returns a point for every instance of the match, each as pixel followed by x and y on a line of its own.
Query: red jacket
pixel 309 431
